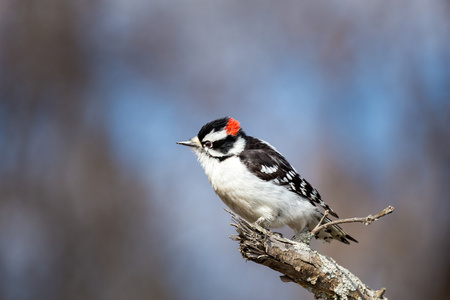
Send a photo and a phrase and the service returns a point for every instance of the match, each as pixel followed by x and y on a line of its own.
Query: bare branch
pixel 319 274
pixel 325 214
pixel 366 220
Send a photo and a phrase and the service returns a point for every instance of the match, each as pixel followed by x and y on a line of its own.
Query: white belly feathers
pixel 277 206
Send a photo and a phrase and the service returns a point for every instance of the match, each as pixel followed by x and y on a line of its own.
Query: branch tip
pixel 366 221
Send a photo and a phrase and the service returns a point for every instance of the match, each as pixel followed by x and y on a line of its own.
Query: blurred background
pixel 98 202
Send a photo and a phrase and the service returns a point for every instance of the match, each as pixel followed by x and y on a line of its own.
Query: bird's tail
pixel 331 232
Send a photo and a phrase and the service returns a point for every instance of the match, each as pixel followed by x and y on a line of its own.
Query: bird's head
pixel 220 138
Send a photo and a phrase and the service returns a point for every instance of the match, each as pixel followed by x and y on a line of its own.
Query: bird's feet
pixel 260 222
pixel 260 225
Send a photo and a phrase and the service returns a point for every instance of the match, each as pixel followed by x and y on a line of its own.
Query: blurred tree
pixel 74 224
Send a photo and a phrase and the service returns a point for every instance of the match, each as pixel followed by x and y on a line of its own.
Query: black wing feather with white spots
pixel 268 164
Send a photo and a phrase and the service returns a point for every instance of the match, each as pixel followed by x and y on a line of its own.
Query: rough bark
pixel 318 273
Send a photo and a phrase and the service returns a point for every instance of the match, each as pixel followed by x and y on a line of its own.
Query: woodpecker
pixel 256 182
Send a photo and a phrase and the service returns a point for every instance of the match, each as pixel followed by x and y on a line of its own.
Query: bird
pixel 256 182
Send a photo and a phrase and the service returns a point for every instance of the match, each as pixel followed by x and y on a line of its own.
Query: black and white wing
pixel 269 165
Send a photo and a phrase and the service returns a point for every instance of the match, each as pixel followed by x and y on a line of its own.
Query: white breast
pixel 252 198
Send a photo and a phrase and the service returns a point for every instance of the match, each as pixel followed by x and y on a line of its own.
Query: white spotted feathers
pixel 269 170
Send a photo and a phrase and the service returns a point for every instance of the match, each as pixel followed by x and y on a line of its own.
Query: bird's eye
pixel 208 144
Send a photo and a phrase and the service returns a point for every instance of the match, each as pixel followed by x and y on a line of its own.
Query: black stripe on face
pixel 224 145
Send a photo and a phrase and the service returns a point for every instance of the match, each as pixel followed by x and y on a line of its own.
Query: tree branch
pixel 319 274
pixel 367 220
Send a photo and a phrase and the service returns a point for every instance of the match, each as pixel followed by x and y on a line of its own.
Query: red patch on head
pixel 233 126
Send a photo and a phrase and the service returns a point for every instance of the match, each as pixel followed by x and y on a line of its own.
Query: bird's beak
pixel 194 142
